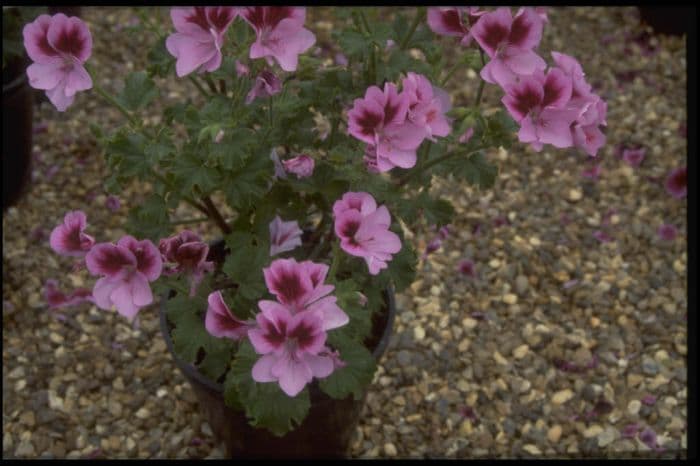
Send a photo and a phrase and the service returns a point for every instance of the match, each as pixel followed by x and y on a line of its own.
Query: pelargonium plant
pixel 312 168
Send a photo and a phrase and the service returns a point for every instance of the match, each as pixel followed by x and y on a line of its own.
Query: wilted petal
pixel 68 238
pixel 667 232
pixel 219 320
pixel 677 182
pixel 284 236
pixel 302 166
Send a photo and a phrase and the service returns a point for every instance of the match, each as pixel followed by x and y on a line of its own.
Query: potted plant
pixel 312 172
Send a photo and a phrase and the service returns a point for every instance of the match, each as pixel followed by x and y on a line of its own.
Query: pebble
pixel 608 436
pixel 25 449
pixel 575 195
pixel 521 284
pixel 404 358
pixel 521 351
pixel 633 407
pixel 27 418
pixel 510 298
pixel 390 449
pixel 419 333
pixel 554 433
pixel 562 396
pixel 532 449
pixel 592 431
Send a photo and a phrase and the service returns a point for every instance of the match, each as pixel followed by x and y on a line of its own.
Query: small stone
pixel 562 396
pixel 499 358
pixel 390 449
pixel 27 418
pixel 466 427
pixel 593 431
pixel 55 338
pixel 7 441
pixel 25 448
pixel 206 429
pixel 532 449
pixel 535 241
pixel 130 444
pixel 161 392
pixel 16 373
pixel 649 366
pixel 633 407
pixel 419 333
pixel 608 436
pixel 118 384
pixel 575 195
pixel 115 408
pixel 469 323
pixel 494 263
pixel 143 413
pixel 510 299
pixel 521 284
pixel 114 442
pixel 521 351
pixel 554 433
pixel 404 358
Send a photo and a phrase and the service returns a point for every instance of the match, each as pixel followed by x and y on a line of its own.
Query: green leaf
pixel 360 323
pixel 352 43
pixel 437 212
pixel 139 90
pixel 149 219
pixel 244 264
pixel 402 267
pixel 160 62
pixel 266 405
pixel 478 171
pixel 355 376
pixel 127 153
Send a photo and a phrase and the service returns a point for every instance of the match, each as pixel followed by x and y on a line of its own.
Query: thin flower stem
pixel 364 22
pixel 335 261
pixel 199 86
pixel 450 73
pixel 211 84
pixel 190 220
pixel 216 215
pixel 416 21
pixel 481 84
pixel 270 111
pixel 433 162
pixel 222 86
pixel 187 199
pixel 114 103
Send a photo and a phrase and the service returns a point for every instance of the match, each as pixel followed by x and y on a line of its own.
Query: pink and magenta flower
pixel 284 236
pixel 634 157
pixel 220 321
pixel 537 103
pixel 677 182
pixel 302 166
pixel 299 288
pixel 69 239
pixel 126 268
pixel 59 46
pixel 427 105
pixel 509 42
pixel 667 232
pixel 363 230
pixel 380 119
pixel 266 85
pixel 199 37
pixel 188 254
pixel 56 299
pixel 292 348
pixel 454 21
pixel 280 34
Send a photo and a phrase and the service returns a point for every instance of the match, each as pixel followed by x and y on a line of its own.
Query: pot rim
pixel 191 371
pixel 16 83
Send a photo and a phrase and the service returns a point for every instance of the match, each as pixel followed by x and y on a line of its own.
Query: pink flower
pixel 380 120
pixel 266 84
pixel 68 239
pixel 464 138
pixel 59 47
pixel 364 232
pixel 340 59
pixel 427 105
pixel 279 168
pixel 648 437
pixel 667 232
pixel 284 236
pixel 299 288
pixel 302 166
pixel 127 267
pixel 603 236
pixel 509 42
pixel 449 21
pixel 593 172
pixel 649 400
pixel 537 103
pixel 199 37
pixel 56 299
pixel 220 321
pixel 291 345
pixel 677 182
pixel 189 254
pixel 370 158
pixel 280 34
pixel 432 246
pixel 633 157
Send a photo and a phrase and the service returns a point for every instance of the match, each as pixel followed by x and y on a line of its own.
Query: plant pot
pixel 16 133
pixel 327 430
pixel 672 20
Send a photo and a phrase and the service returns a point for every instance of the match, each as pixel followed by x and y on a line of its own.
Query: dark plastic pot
pixel 327 430
pixel 674 20
pixel 16 133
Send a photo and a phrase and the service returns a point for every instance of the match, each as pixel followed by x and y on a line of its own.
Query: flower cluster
pixel 394 124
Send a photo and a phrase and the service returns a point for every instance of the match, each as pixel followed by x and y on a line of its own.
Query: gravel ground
pixel 556 345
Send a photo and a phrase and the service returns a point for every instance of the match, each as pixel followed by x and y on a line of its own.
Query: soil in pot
pixel 327 430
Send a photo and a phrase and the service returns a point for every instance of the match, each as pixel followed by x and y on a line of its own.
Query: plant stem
pixel 449 74
pixel 481 84
pixel 442 158
pixel 199 86
pixel 270 111
pixel 211 84
pixel 335 260
pixel 190 220
pixel 364 22
pixel 416 21
pixel 114 103
pixel 222 86
pixel 187 199
pixel 216 215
